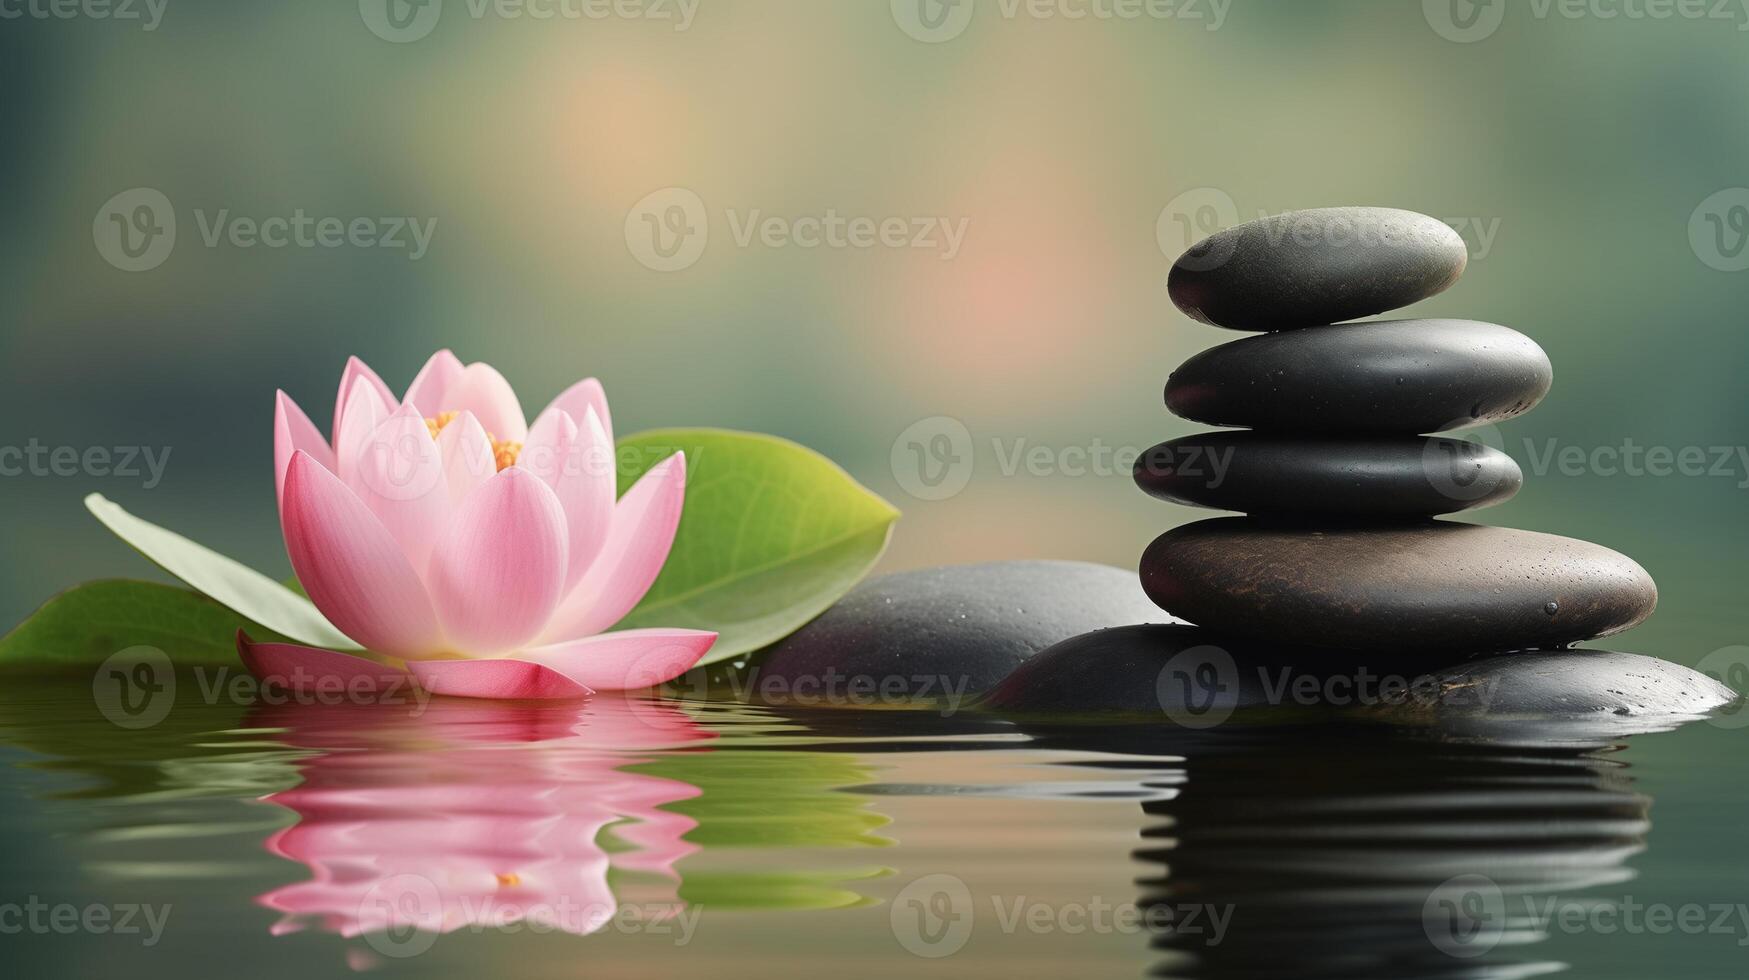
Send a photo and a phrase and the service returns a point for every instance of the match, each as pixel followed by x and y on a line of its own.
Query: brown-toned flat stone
pixel 1434 585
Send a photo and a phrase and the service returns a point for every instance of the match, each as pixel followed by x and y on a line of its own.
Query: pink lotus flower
pixel 443 531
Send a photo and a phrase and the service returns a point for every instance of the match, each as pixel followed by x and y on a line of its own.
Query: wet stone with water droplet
pixel 1156 674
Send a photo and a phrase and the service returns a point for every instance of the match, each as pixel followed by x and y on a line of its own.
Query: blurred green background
pixel 1582 158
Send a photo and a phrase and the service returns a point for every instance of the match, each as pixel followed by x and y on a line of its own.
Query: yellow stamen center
pixel 436 425
pixel 504 452
pixel 509 879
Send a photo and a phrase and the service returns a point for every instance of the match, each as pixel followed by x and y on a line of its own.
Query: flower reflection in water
pixel 478 814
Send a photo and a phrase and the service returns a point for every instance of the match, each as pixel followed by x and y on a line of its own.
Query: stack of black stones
pixel 1337 474
pixel 1343 565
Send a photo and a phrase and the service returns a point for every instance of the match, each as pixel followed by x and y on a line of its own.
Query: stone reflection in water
pixel 1371 851
pixel 1370 856
pixel 477 814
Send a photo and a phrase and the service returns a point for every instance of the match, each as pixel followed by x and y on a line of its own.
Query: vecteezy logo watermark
pixel 934 916
pixel 932 458
pixel 136 231
pixel 932 21
pixel 1464 21
pixel 402 21
pixel 1199 687
pixel 936 21
pixel 1465 916
pixel 1468 21
pixel 103 462
pixel 1730 667
pixel 401 915
pixel 668 229
pixel 1193 215
pixel 38 917
pixel 135 687
pixel 1718 230
pixel 1457 467
pixel 149 13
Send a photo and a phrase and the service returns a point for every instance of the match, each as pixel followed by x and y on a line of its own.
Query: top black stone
pixel 1309 268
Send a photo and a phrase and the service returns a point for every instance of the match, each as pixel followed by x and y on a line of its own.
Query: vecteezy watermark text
pixel 1468 21
pixel 148 13
pixel 1195 214
pixel 934 459
pixel 403 915
pixel 831 687
pixel 1629 458
pixel 937 21
pixel 136 230
pixel 136 688
pixel 935 916
pixel 403 21
pixel 1202 686
pixel 38 917
pixel 35 458
pixel 668 230
pixel 1468 915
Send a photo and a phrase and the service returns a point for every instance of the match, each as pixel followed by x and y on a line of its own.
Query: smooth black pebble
pixel 1385 477
pixel 1307 268
pixel 1393 376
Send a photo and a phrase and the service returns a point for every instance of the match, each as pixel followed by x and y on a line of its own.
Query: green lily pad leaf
pixel 771 535
pixel 87 623
pixel 227 581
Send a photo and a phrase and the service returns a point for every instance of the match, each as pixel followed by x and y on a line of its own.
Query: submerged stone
pixel 1188 677
pixel 1569 684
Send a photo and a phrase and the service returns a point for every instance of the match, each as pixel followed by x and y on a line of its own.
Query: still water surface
pixel 631 837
